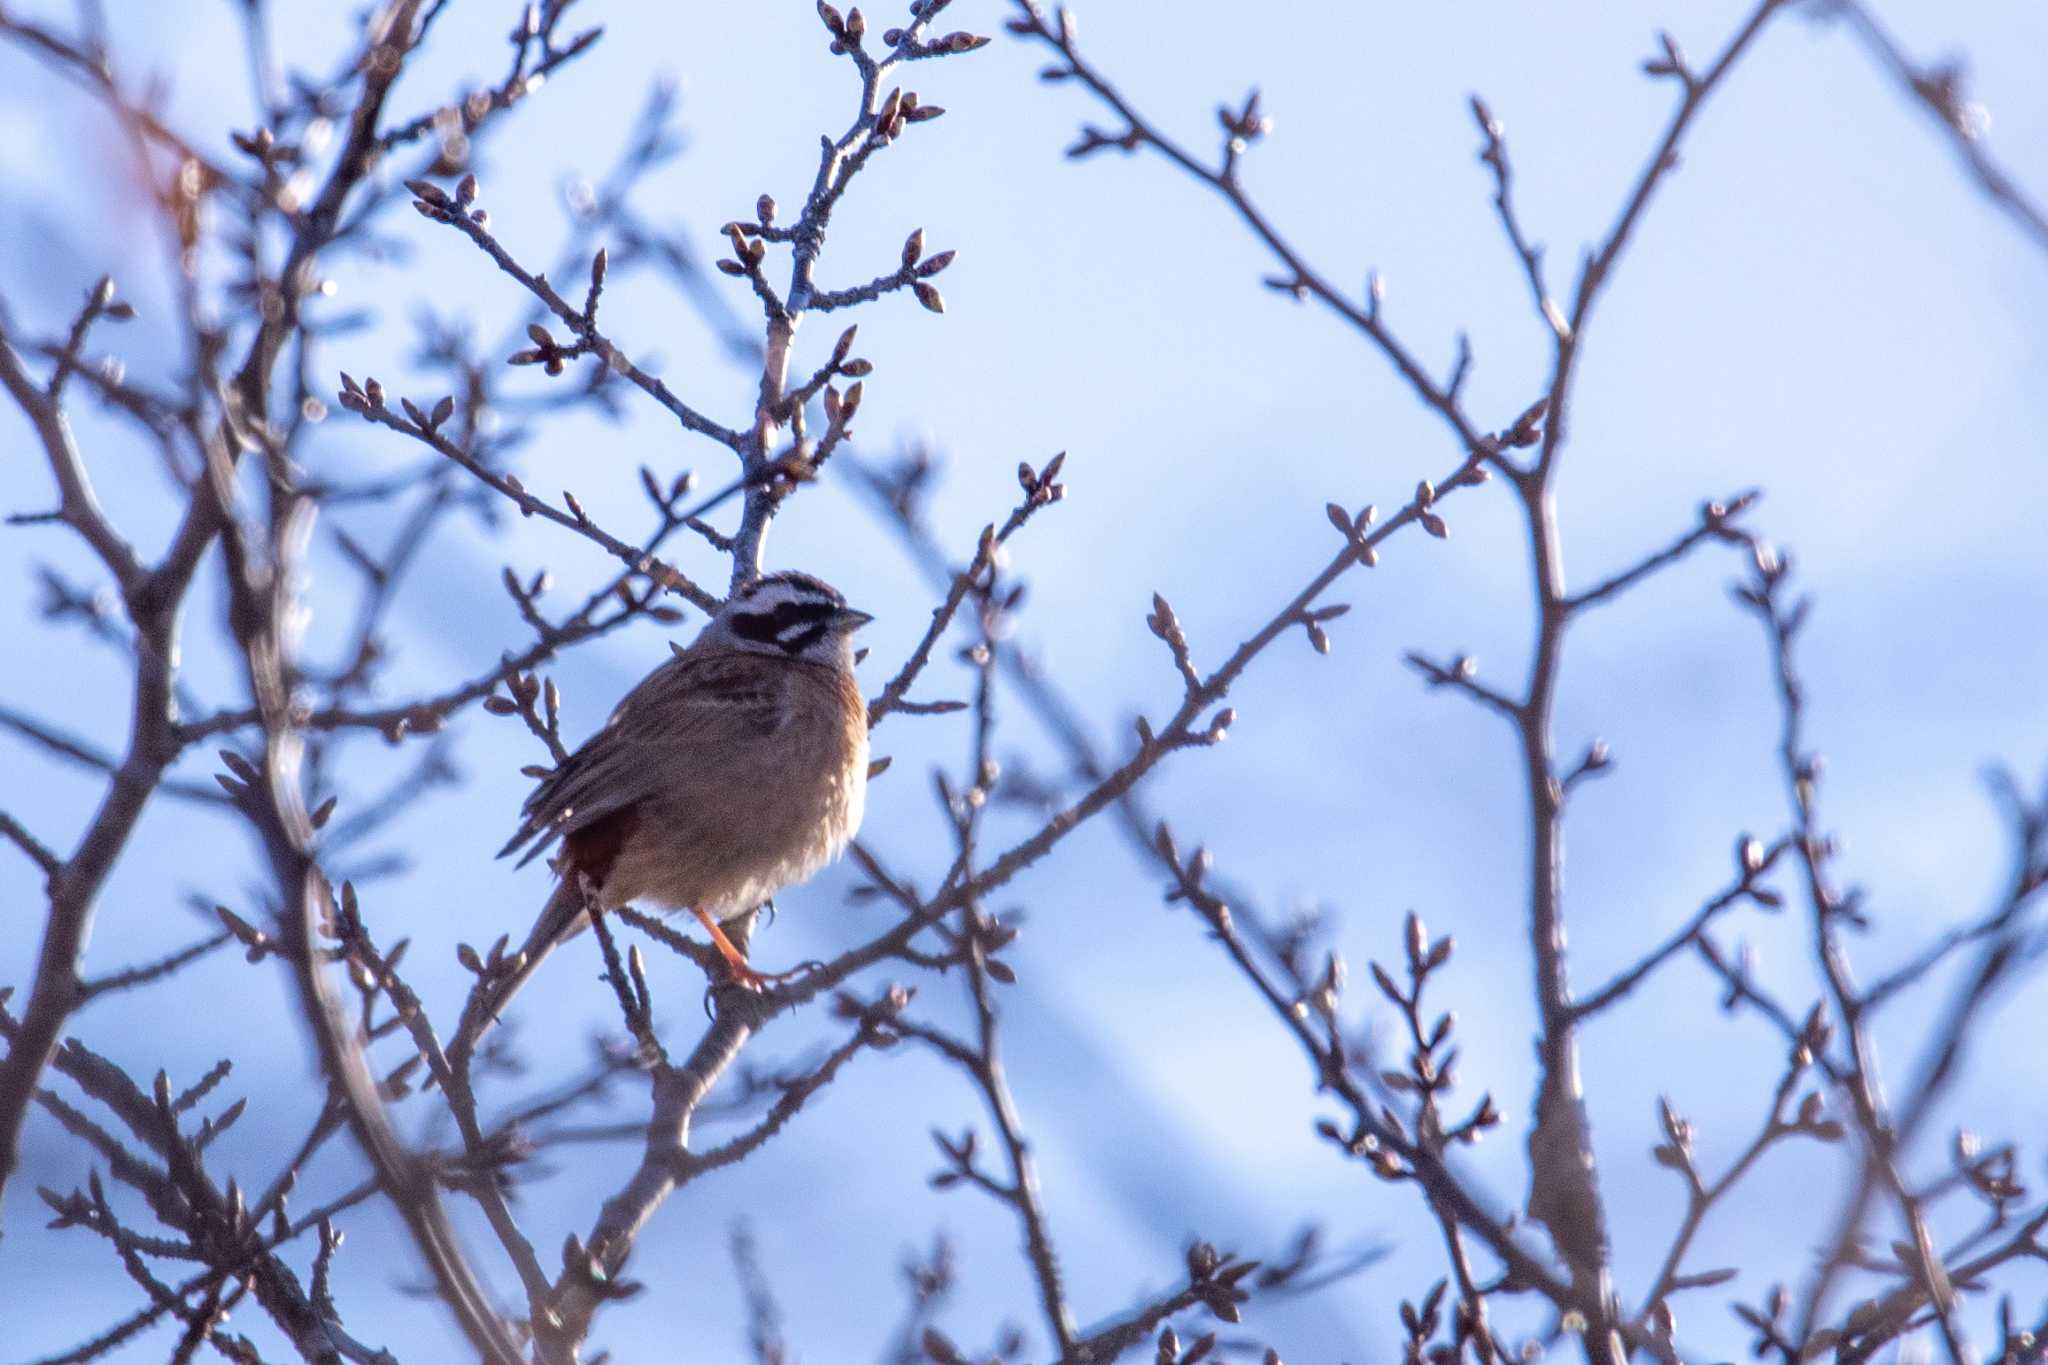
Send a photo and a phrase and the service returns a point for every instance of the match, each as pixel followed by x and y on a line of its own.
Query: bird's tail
pixel 560 919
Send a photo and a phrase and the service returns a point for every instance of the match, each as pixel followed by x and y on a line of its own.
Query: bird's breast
pixel 783 807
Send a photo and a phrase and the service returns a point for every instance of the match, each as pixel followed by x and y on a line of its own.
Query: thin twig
pixel 1938 89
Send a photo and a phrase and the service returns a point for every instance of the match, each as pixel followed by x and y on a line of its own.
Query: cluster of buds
pixel 1215 1278
pixel 264 146
pixel 952 45
pixel 1429 1074
pixel 345 922
pixel 919 268
pixel 256 944
pixel 1042 486
pixel 434 203
pixel 1527 429
pixel 900 107
pixel 988 934
pixel 545 350
pixel 840 407
pixel 365 397
pixel 665 500
pixel 1670 62
pixel 1676 1149
pixel 1191 874
pixel 1093 140
pixel 1420 1324
pixel 1992 1175
pixel 1765 1320
pixel 539 703
pixel 1295 285
pixel 498 962
pixel 241 776
pixel 1495 152
pixel 1166 625
pixel 781 475
pixel 1716 516
pixel 1425 499
pixel 429 421
pixel 1354 528
pixel 1242 126
pixel 747 251
pixel 846 32
pixel 1312 622
pixel 526 595
pixel 584 1267
pixel 1814 1036
pixel 1810 1120
pixel 959 1153
pixel 287 181
pixel 368 399
pixel 876 1016
pixel 1752 860
pixel 1031 24
pixel 1597 758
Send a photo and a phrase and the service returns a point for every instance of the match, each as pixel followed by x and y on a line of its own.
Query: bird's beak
pixel 849 619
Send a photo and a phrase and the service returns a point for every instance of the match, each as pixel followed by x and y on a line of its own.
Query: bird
pixel 736 768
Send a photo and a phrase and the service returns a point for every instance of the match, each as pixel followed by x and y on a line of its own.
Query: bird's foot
pixel 742 972
pixel 745 976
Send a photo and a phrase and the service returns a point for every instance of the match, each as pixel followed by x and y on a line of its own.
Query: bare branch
pixel 443 208
pixel 37 852
pixel 77 506
pixel 1753 860
pixel 1714 525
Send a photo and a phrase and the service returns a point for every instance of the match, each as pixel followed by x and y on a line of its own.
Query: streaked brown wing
pixel 691 706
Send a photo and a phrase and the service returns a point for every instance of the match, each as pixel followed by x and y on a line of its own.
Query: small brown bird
pixel 736 768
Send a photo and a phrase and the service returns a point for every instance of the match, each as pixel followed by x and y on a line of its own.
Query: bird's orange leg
pixel 743 974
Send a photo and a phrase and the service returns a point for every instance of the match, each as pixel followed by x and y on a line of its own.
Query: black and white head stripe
pixel 791 612
pixel 787 585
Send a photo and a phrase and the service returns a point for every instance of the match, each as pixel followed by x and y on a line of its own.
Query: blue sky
pixel 1818 305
